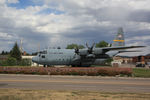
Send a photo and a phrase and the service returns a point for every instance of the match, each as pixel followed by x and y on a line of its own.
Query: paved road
pixel 86 83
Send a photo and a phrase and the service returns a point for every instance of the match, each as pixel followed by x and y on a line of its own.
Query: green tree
pixel 72 46
pixel 81 46
pixel 108 61
pixel 15 52
pixel 3 52
pixel 11 61
pixel 101 44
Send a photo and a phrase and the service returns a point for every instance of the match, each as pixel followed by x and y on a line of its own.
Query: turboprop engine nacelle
pixel 83 52
pixel 97 51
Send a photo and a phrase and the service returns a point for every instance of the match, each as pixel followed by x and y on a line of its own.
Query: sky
pixel 53 23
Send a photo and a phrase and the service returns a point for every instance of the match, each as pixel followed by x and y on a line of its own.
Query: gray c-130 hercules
pixel 83 57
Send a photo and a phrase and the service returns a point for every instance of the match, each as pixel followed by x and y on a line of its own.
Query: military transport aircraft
pixel 83 57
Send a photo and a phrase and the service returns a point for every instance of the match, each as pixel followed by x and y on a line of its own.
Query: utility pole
pixel 21 46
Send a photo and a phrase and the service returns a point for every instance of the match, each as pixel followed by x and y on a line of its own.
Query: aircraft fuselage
pixel 66 57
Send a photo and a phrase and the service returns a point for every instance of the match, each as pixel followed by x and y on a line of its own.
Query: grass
pixel 16 94
pixel 140 72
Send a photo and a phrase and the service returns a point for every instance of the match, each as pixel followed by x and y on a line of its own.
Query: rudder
pixel 119 39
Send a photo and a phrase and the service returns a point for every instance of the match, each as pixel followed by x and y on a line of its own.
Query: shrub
pixel 93 71
pixel 13 62
pixel 3 63
pixel 25 62
pixel 9 62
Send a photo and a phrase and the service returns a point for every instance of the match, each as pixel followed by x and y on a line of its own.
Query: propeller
pixel 76 56
pixel 76 50
pixel 90 49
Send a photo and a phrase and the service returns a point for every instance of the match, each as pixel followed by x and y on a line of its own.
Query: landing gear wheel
pixel 73 65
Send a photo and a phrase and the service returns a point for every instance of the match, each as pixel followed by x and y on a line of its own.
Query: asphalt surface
pixel 83 83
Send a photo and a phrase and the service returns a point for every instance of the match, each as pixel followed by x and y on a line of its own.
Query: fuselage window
pixel 43 56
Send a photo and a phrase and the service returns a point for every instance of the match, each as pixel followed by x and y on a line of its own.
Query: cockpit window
pixel 43 52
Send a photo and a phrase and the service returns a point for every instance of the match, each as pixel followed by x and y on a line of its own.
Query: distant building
pixel 143 59
pixel 123 59
pixel 30 58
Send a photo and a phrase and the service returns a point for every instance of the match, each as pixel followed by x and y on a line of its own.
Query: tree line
pixel 98 45
pixel 14 58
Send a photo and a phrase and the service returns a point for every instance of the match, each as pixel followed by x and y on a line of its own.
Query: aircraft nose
pixel 34 59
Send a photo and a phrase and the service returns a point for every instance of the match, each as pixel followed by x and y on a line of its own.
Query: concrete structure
pixel 116 63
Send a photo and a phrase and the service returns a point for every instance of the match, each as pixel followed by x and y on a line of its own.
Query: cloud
pixel 12 1
pixel 60 22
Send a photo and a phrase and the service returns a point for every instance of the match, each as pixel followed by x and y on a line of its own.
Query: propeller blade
pixel 93 46
pixel 87 45
pixel 90 49
pixel 76 50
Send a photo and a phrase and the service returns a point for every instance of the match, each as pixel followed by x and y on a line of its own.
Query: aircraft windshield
pixel 43 52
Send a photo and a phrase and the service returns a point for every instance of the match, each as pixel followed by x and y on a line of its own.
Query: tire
pixel 73 65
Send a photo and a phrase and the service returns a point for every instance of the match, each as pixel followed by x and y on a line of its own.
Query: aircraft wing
pixel 120 48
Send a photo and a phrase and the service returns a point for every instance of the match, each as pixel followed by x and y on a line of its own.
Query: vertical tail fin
pixel 119 39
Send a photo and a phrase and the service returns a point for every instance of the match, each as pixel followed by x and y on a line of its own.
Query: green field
pixel 140 72
pixel 16 94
